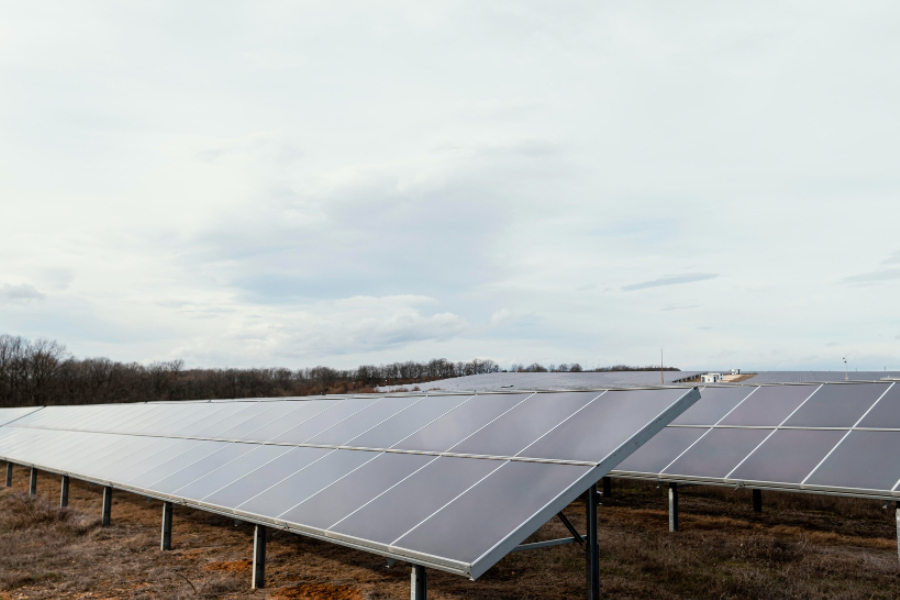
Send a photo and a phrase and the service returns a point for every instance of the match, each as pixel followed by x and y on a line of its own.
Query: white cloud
pixel 500 316
pixel 280 184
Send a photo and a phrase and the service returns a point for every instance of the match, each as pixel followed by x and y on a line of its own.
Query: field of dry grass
pixel 799 547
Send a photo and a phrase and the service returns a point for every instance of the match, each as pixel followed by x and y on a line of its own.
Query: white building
pixel 711 378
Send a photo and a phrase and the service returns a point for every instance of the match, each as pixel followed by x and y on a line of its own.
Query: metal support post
pixel 64 492
pixel 607 488
pixel 592 546
pixel 757 501
pixel 418 583
pixel 897 510
pixel 673 506
pixel 32 482
pixel 165 542
pixel 259 557
pixel 106 511
pixel 9 474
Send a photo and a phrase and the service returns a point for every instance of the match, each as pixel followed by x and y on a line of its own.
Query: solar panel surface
pixel 453 482
pixel 829 438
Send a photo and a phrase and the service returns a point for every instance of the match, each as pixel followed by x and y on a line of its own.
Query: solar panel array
pixel 764 377
pixel 552 381
pixel 830 438
pixel 454 482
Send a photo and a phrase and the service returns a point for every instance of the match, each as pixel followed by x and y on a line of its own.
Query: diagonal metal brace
pixel 571 528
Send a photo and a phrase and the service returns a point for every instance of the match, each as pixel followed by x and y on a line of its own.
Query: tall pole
pixel 418 583
pixel 259 558
pixel 592 546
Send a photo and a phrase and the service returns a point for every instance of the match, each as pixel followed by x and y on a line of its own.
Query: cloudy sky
pixel 292 183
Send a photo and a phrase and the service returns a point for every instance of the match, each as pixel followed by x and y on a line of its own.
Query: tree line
pixel 43 372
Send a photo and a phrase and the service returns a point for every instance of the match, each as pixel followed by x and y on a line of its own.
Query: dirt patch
pixel 800 547
pixel 231 566
pixel 316 591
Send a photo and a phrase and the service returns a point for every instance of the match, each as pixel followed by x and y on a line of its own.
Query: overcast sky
pixel 289 183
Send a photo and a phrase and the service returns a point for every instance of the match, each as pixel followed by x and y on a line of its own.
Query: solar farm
pixel 457 482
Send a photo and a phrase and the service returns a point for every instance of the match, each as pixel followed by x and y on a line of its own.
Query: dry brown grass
pixel 802 546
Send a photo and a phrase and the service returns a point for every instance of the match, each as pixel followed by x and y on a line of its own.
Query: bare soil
pixel 801 546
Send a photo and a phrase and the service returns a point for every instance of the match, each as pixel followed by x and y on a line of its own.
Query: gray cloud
pixel 679 307
pixel 892 259
pixel 669 280
pixel 20 293
pixel 873 277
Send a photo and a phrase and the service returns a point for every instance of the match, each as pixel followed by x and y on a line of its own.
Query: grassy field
pixel 801 546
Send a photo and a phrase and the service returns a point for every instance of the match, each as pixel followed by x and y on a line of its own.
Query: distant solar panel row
pixel 831 438
pixel 452 482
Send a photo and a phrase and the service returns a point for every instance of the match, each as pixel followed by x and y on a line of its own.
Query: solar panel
pixel 453 482
pixel 836 438
pixel 8 415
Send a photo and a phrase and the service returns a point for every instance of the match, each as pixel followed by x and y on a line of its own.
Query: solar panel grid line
pixel 461 407
pixel 237 508
pixel 333 426
pixel 25 413
pixel 149 419
pixel 591 478
pixel 238 477
pixel 557 426
pixel 191 416
pixel 442 507
pixel 304 407
pixel 515 458
pixel 274 414
pixel 431 422
pixel 132 415
pixel 431 561
pixel 547 512
pixel 519 403
pixel 219 429
pixel 335 412
pixel 429 463
pixel 342 477
pixel 176 453
pixel 374 498
pixel 821 462
pixel 366 413
pixel 785 420
pixel 128 469
pixel 694 443
pixel 220 417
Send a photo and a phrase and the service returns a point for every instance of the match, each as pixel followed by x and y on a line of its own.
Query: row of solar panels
pixel 829 438
pixel 451 482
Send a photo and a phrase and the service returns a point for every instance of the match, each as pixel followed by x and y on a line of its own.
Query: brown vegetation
pixel 801 546
pixel 42 373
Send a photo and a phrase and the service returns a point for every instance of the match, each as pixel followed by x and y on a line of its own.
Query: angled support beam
pixel 32 482
pixel 64 492
pixel 592 546
pixel 106 510
pixel 757 501
pixel 165 541
pixel 548 544
pixel 673 507
pixel 577 536
pixel 607 487
pixel 259 557
pixel 9 474
pixel 418 583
